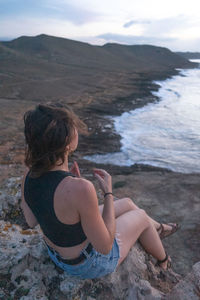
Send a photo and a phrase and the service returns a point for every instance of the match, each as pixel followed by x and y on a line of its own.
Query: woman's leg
pixel 136 224
pixel 126 204
pixel 121 206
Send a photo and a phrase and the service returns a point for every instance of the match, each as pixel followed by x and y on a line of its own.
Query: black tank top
pixel 39 195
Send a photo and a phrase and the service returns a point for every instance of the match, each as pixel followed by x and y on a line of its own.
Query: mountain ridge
pixel 111 54
pixel 74 71
pixel 189 55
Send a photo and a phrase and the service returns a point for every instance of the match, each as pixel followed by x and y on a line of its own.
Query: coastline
pixel 165 195
pixel 114 95
pixel 104 138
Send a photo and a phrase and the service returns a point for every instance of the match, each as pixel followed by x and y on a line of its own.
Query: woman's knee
pixel 130 203
pixel 143 215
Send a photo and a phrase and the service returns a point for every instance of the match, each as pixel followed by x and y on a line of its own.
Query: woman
pixel 82 238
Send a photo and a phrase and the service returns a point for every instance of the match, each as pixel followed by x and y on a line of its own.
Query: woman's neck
pixel 63 167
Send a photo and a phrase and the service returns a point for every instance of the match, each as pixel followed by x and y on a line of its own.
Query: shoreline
pixel 105 139
pixel 97 115
pixel 130 103
pixel 135 92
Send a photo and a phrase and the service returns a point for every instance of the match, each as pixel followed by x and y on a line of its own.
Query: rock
pixel 34 276
pixel 10 195
pixel 118 285
pixel 2 294
pixel 38 251
pixel 71 286
pixel 24 257
pixel 33 297
pixel 189 287
pixel 14 246
pixel 144 291
pixel 25 262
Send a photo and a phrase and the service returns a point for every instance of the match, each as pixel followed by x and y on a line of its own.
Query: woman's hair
pixel 48 130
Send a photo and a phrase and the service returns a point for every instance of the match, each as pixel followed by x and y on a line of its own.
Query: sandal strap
pixel 161 228
pixel 163 233
pixel 159 262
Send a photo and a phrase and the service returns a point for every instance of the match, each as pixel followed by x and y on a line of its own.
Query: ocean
pixel 163 134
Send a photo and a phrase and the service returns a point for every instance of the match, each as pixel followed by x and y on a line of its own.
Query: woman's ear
pixel 67 149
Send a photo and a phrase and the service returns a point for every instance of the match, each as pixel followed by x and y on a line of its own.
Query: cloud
pixel 98 22
pixel 128 24
pixel 77 14
pixel 18 26
pixel 172 43
pixel 60 10
pixel 133 39
pixel 132 22
pixel 167 26
pixel 164 26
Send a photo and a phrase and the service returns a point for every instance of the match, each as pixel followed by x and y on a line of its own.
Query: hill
pixel 63 68
pixel 189 55
pixel 114 56
pixel 93 80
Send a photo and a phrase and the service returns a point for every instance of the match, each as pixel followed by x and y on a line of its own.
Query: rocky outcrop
pixel 189 288
pixel 24 262
pixel 26 271
pixel 10 195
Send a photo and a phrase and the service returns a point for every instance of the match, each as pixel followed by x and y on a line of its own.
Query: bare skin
pixel 75 200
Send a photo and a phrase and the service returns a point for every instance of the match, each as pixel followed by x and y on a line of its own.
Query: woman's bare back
pixel 66 212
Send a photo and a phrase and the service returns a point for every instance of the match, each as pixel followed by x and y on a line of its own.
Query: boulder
pixel 189 287
pixel 10 195
pixel 24 261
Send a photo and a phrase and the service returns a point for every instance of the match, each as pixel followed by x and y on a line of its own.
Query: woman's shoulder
pixel 80 189
pixel 79 184
pixel 84 195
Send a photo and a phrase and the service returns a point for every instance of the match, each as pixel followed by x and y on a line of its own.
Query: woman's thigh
pixel 129 227
pixel 121 206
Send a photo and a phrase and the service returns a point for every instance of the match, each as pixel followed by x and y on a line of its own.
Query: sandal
pixel 163 233
pixel 167 258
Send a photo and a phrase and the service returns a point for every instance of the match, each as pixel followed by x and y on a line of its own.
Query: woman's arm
pixel 100 230
pixel 108 214
pixel 29 216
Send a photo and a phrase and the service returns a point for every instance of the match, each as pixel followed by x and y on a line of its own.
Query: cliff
pixel 45 68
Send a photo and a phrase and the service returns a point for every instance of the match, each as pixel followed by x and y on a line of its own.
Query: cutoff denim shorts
pixel 94 266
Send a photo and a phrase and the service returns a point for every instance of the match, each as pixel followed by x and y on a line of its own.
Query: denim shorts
pixel 94 266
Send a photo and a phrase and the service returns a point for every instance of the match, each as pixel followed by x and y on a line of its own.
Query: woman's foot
pixel 168 229
pixel 166 263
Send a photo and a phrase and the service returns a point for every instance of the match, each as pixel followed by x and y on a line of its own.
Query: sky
pixel 174 24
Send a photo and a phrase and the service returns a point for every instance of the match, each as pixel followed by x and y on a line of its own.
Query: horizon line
pixel 9 39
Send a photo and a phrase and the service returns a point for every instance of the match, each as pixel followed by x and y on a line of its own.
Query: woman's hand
pixel 104 180
pixel 75 169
